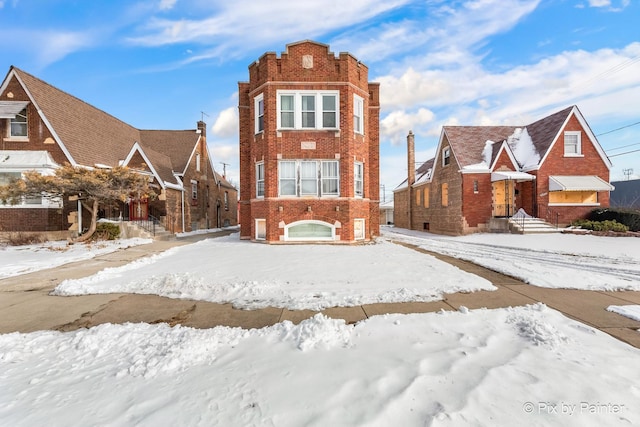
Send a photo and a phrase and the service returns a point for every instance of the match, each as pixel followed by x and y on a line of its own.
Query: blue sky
pixel 161 64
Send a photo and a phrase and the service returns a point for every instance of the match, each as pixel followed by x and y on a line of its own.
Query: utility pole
pixel 384 199
pixel 627 172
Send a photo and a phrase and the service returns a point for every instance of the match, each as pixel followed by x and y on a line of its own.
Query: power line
pixel 627 152
pixel 624 146
pixel 620 128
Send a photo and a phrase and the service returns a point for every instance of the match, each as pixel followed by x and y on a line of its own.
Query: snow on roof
pixel 523 149
pixel 487 153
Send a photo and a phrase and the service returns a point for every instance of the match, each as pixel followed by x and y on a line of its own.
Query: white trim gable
pixel 512 157
pixel 588 132
pixel 137 148
pixel 64 149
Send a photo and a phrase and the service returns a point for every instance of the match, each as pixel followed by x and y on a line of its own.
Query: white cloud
pixel 397 124
pixel 167 4
pixel 226 124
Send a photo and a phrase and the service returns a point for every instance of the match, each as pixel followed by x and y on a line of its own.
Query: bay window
pixel 308 178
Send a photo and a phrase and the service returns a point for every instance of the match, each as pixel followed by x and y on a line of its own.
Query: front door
pixel 139 209
pixel 503 198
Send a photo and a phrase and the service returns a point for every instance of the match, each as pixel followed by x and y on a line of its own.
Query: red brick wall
pixel 557 164
pixel 344 74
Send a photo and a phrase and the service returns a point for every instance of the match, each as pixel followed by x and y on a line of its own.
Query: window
pixel 475 186
pixel 308 110
pixel 358 114
pixel 573 198
pixel 358 229
pixel 308 178
pixel 309 230
pixel 259 111
pixel 359 179
pixel 194 190
pixel 261 229
pixel 426 197
pixel 18 126
pixel 418 194
pixel 51 202
pixel 445 194
pixel 197 162
pixel 446 156
pixel 260 179
pixel 329 111
pixel 287 112
pixel 572 144
pixel 330 178
pixel 226 200
pixel 287 178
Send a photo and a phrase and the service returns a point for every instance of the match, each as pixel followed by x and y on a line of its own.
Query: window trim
pixel 330 226
pixel 13 120
pixel 257 228
pixel 257 101
pixel 318 112
pixel 319 178
pixel 578 145
pixel 358 179
pixel 259 167
pixel 358 113
pixel 446 156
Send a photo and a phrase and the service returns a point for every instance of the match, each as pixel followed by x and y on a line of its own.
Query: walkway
pixel 26 305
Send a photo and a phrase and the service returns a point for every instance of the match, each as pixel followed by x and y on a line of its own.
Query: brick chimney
pixel 202 127
pixel 411 175
pixel 411 159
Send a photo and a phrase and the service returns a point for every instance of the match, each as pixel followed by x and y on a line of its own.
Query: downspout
pixel 79 217
pixel 411 176
pixel 182 213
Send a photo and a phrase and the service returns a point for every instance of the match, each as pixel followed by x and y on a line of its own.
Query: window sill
pixel 573 155
pixel 16 139
pixel 309 129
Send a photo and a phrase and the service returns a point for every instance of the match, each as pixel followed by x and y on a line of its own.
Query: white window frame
pixel 259 179
pixel 318 112
pixel 329 178
pixel 578 143
pixel 258 105
pixel 358 114
pixel 313 178
pixel 258 222
pixel 318 178
pixel 197 162
pixel 194 189
pixel 330 226
pixel 446 156
pixel 25 122
pixel 358 178
pixel 226 200
pixel 359 229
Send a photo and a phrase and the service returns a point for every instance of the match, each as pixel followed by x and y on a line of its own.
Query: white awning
pixel 26 160
pixel 578 183
pixel 10 109
pixel 511 176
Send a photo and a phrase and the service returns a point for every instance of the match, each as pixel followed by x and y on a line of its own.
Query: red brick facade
pixel 309 67
pixel 474 196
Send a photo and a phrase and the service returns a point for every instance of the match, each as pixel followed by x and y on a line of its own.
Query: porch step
pixel 531 225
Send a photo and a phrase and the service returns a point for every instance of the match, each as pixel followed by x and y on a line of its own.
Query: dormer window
pixel 18 127
pixel 572 144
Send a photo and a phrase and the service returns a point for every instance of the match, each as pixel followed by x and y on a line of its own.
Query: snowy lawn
pixel 547 260
pixel 315 277
pixel 516 366
pixel 630 311
pixel 17 260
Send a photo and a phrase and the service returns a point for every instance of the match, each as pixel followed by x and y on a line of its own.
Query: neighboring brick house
pixel 42 127
pixel 309 147
pixel 553 169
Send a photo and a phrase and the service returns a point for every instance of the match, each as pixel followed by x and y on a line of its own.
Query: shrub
pixel 19 238
pixel 107 231
pixel 628 217
pixel 607 225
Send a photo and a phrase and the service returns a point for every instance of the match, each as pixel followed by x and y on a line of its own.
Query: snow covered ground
pixel 315 277
pixel 17 260
pixel 505 367
pixel 547 260
pixel 513 366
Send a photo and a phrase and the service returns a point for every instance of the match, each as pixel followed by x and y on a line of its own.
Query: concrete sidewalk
pixel 26 305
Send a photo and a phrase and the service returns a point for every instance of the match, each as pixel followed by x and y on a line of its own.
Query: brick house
pixel 309 147
pixel 42 127
pixel 553 169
